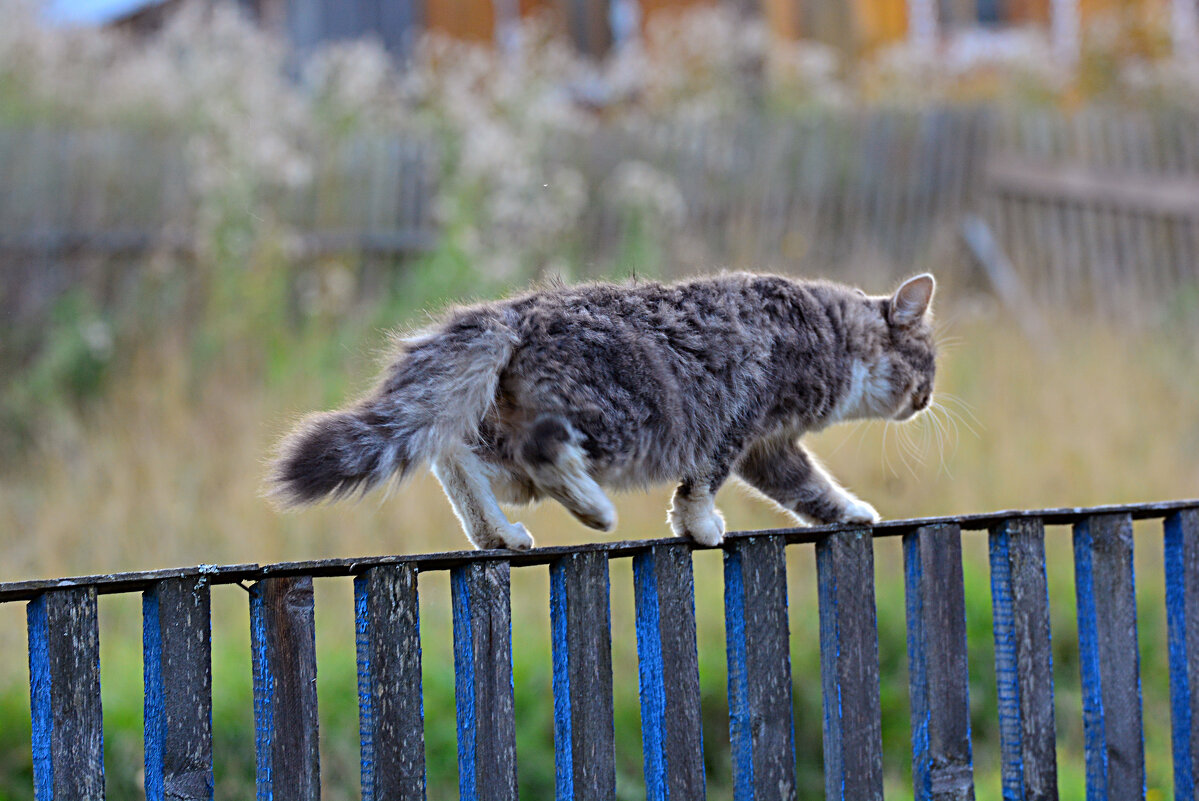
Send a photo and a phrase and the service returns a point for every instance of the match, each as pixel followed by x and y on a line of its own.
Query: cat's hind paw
pixel 517 537
pixel 705 528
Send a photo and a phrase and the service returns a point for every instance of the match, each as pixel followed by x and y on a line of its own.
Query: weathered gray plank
pixel 390 705
pixel 483 681
pixel 177 658
pixel 1023 660
pixel 759 657
pixel 1107 640
pixel 584 733
pixel 64 689
pixel 942 767
pixel 853 740
pixel 283 652
pixel 671 726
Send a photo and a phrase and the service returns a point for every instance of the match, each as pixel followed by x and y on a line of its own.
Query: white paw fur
pixel 516 537
pixel 698 519
pixel 857 511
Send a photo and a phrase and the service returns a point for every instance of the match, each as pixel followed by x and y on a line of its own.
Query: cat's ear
pixel 911 301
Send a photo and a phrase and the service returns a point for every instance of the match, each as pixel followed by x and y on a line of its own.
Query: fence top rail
pixel 321 568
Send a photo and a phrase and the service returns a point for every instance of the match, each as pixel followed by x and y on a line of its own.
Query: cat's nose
pixel 921 401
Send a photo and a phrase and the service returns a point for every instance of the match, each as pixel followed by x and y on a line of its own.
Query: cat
pixel 563 391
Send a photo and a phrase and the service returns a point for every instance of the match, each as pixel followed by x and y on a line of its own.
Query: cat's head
pixel 895 363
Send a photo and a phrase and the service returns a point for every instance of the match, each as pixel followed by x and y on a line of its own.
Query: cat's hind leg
pixel 782 470
pixel 466 481
pixel 554 460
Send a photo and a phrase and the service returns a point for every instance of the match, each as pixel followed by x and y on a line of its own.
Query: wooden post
pixel 584 734
pixel 1182 616
pixel 1107 644
pixel 64 693
pixel 853 740
pixel 1023 660
pixel 177 664
pixel 483 681
pixel 283 651
pixel 668 673
pixel 390 697
pixel 757 641
pixel 938 674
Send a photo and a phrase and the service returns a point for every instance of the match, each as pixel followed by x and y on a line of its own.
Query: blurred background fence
pixel 1091 208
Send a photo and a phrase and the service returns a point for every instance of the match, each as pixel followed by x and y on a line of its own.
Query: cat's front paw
pixel 857 511
pixel 705 527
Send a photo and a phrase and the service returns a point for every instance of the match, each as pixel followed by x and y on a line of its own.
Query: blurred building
pixel 853 26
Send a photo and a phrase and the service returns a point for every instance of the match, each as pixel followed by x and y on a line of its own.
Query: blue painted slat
pixel 390 697
pixel 1108 657
pixel 584 734
pixel 1182 617
pixel 668 674
pixel 938 677
pixel 283 655
pixel 177 670
pixel 64 670
pixel 483 681
pixel 853 745
pixel 1023 660
pixel 759 660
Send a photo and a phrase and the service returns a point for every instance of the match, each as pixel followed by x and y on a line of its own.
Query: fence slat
pixel 584 733
pixel 759 658
pixel 668 670
pixel 1182 615
pixel 483 681
pixel 853 739
pixel 390 698
pixel 64 689
pixel 283 651
pixel 942 767
pixel 177 664
pixel 1023 660
pixel 1107 642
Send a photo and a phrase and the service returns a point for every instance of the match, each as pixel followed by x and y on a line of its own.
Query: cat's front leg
pixel 782 470
pixel 693 513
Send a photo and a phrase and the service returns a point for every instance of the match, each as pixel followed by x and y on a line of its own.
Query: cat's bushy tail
pixel 434 395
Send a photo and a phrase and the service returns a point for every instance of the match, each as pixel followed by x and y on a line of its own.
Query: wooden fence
pixel 65 678
pixel 1087 210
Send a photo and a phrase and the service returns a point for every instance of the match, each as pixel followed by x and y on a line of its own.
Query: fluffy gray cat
pixel 560 392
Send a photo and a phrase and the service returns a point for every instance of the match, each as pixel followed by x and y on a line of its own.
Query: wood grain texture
pixel 1182 616
pixel 853 740
pixel 283 652
pixel 759 658
pixel 64 671
pixel 177 669
pixel 1023 660
pixel 942 766
pixel 584 733
pixel 668 674
pixel 390 696
pixel 483 681
pixel 1107 640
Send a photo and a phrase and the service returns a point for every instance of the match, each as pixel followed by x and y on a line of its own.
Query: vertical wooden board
pixel 584 733
pixel 942 767
pixel 177 665
pixel 283 652
pixel 668 673
pixel 853 740
pixel 1108 656
pixel 759 658
pixel 483 681
pixel 390 697
pixel 64 689
pixel 1182 616
pixel 1023 660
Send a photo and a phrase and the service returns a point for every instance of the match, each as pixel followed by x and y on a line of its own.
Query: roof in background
pixel 91 12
